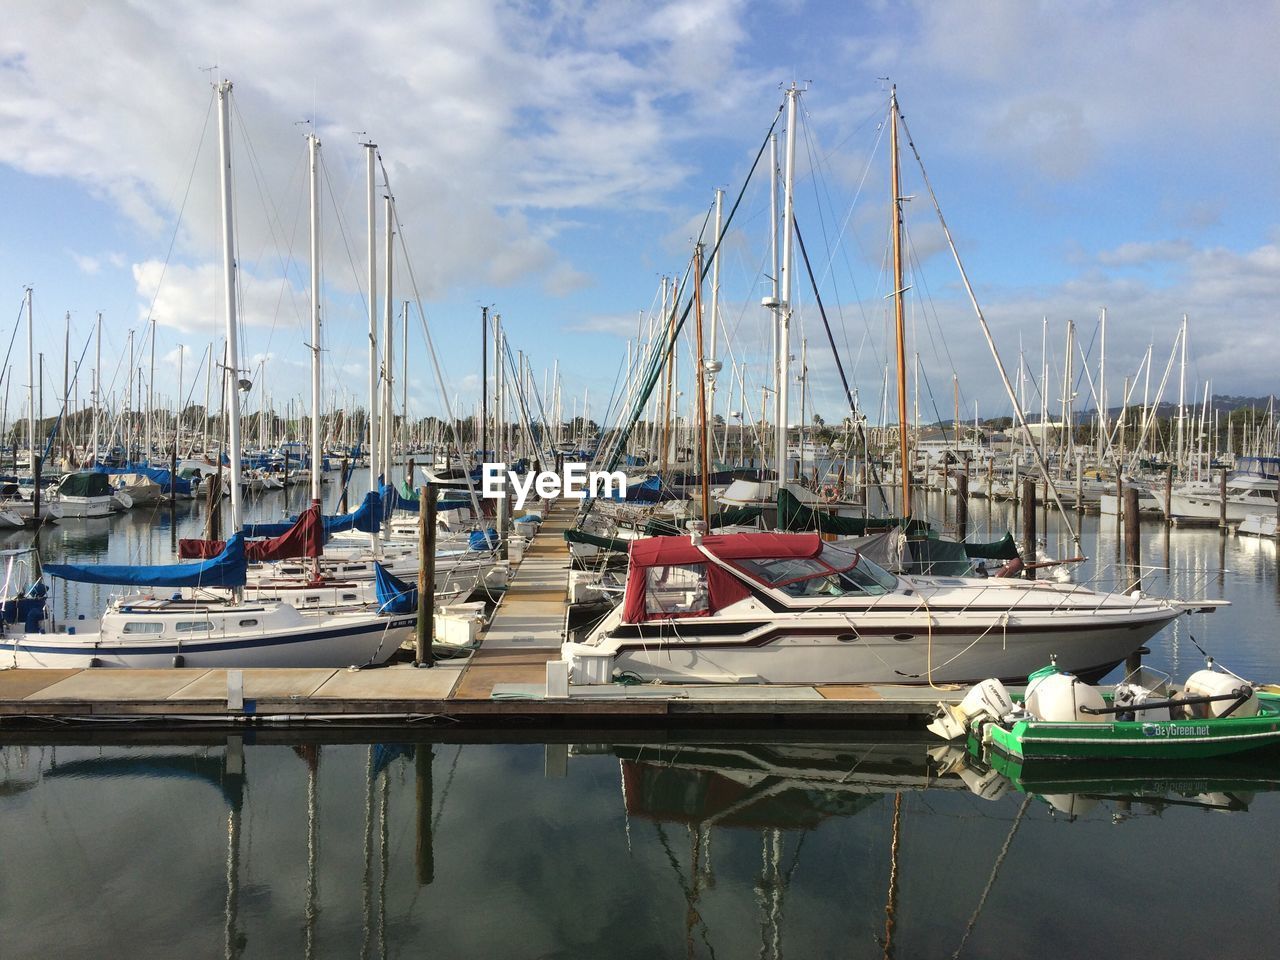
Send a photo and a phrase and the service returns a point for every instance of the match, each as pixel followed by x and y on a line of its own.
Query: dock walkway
pixel 504 680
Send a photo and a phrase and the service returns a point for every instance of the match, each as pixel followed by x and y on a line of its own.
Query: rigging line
pixel 995 870
pixel 839 244
pixel 986 331
pixel 661 359
pixel 932 322
pixel 853 407
pixel 173 239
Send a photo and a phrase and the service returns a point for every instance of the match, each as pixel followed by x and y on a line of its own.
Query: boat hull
pixel 370 641
pixel 1190 739
pixel 839 653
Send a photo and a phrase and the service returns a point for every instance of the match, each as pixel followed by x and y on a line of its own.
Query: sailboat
pixel 146 630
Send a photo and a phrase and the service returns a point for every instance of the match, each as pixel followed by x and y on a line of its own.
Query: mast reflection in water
pixel 199 844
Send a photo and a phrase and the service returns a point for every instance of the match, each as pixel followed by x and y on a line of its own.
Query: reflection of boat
pixel 769 785
pixel 1222 784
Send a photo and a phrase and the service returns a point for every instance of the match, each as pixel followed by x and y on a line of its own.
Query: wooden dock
pixel 503 682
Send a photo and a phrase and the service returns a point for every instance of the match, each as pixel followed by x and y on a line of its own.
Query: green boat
pixel 1138 739
pixel 1213 715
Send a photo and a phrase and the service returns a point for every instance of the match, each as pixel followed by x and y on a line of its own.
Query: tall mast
pixel 404 378
pixel 1182 394
pixel 388 351
pixel 713 367
pixel 31 388
pixel 317 452
pixel 904 452
pixel 702 389
pixel 231 375
pixel 97 395
pixel 773 259
pixel 1102 388
pixel 370 152
pixel 151 390
pixel 484 383
pixel 784 292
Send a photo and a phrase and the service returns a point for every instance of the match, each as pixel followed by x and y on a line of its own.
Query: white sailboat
pixel 143 630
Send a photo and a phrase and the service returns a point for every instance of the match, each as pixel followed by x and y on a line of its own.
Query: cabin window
pixel 193 626
pixel 677 589
pixel 348 597
pixel 135 627
pixel 248 623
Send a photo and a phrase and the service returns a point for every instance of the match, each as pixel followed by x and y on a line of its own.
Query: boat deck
pixel 503 681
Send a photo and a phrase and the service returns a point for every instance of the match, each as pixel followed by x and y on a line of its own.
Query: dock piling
pixel 425 630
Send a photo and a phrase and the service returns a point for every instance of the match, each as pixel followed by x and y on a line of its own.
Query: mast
pixel 713 366
pixel 1182 393
pixel 784 293
pixel 31 389
pixel 388 346
pixel 231 376
pixel 484 383
pixel 151 391
pixel 404 378
pixel 370 152
pixel 773 301
pixel 702 388
pixel 899 324
pixel 317 452
pixel 97 395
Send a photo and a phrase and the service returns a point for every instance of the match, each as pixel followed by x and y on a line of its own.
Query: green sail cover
pixel 796 517
pixel 1002 549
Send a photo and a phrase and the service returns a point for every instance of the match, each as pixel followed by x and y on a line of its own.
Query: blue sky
pixel 554 159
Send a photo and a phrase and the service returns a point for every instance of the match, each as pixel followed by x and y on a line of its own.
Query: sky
pixel 554 160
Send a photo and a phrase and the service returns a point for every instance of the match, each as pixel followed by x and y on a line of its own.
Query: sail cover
pixel 226 569
pixel 304 539
pixel 364 518
pixel 394 595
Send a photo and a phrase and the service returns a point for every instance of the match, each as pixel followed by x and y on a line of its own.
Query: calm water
pixel 116 842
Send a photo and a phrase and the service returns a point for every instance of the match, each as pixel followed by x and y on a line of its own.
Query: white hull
pixel 327 642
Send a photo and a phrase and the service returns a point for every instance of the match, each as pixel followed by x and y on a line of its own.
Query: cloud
pixel 1137 254
pixel 86 264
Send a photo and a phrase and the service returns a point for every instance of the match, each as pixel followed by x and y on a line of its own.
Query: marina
pixel 707 479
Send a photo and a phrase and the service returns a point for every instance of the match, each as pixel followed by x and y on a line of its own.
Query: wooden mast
pixel 903 441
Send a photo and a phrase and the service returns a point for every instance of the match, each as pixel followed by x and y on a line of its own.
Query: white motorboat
pixel 1247 494
pixel 89 494
pixel 789 608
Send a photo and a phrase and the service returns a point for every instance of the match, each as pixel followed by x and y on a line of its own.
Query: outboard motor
pixel 987 699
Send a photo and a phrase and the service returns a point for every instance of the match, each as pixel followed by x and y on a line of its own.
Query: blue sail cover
pixel 227 569
pixel 394 595
pixel 393 500
pixel 364 518
pixel 367 518
pixel 154 474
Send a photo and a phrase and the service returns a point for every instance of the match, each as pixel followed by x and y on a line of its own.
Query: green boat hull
pixel 1029 740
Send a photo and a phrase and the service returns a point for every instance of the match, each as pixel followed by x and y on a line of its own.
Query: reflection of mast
pixel 891 905
pixel 995 869
pixel 366 881
pixel 313 804
pixel 770 889
pixel 233 942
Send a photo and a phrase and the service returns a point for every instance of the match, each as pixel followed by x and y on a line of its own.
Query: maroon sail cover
pixel 304 539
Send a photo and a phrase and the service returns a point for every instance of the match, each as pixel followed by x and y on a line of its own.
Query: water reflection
pixel 281 843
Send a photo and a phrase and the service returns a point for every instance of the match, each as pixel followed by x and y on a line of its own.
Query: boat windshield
pixel 837 571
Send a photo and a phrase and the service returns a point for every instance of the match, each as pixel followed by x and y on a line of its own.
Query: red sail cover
pixel 723 588
pixel 304 539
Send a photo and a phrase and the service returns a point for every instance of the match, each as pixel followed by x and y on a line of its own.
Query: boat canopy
pixel 87 484
pixel 227 569
pixel 671 577
pixel 394 595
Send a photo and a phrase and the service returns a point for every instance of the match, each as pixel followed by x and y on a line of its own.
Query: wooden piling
pixel 962 504
pixel 1168 494
pixel 425 629
pixel 1132 542
pixel 1029 526
pixel 424 859
pixel 1222 499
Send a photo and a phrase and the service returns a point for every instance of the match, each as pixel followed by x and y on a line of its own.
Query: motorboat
pixel 1060 717
pixel 1247 494
pixel 90 494
pixel 793 608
